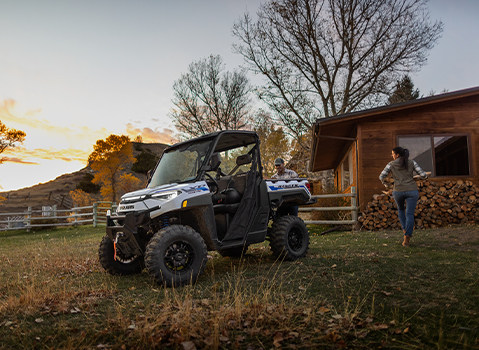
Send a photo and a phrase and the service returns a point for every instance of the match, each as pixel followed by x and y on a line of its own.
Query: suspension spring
pixel 165 221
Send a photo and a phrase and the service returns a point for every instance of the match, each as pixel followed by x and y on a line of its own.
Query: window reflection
pixel 442 155
pixel 451 155
pixel 419 150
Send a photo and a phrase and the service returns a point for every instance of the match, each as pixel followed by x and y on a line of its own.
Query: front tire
pixel 176 255
pixel 289 238
pixel 122 265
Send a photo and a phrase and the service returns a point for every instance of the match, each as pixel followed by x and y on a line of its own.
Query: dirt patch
pixel 461 237
pixel 457 237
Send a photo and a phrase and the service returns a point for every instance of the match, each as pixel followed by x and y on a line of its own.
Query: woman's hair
pixel 403 154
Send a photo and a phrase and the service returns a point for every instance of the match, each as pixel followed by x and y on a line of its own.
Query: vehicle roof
pixel 238 137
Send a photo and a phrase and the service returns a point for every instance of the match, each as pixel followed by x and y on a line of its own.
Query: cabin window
pixel 441 155
pixel 347 171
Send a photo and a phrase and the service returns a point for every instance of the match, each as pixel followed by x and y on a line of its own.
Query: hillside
pixel 48 193
pixel 56 192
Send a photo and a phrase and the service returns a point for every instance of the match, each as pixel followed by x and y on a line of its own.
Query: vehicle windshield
pixel 180 164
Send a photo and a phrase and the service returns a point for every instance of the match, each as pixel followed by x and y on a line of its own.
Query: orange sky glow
pixel 51 150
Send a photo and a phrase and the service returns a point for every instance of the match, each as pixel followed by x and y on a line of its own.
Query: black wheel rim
pixel 179 256
pixel 123 258
pixel 295 239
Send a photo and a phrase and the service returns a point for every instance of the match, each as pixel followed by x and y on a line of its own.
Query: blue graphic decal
pixel 283 187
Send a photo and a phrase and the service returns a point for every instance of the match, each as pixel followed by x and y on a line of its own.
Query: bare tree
pixel 207 99
pixel 326 57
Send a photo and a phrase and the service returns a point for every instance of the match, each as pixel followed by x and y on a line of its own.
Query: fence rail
pixel 51 217
pixel 353 208
pixel 96 214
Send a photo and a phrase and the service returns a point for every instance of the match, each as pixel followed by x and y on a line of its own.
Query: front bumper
pixel 123 229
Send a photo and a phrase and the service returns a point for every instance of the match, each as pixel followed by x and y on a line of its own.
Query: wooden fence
pixel 353 208
pixel 96 214
pixel 50 216
pixel 60 200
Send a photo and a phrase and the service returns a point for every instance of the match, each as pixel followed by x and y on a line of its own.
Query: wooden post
pixel 28 217
pixel 95 214
pixel 75 212
pixel 354 203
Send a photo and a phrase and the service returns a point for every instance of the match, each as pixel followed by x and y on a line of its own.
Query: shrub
pixel 145 161
pixel 87 185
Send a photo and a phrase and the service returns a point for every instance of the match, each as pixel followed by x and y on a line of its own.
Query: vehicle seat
pixel 228 196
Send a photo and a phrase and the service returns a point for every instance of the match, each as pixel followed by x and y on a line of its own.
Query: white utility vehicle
pixel 205 194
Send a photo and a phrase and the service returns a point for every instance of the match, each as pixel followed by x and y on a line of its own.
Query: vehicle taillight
pixel 308 185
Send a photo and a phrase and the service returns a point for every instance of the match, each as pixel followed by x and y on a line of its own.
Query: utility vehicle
pixel 205 194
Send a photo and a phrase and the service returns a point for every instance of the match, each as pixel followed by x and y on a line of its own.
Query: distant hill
pixel 56 192
pixel 156 148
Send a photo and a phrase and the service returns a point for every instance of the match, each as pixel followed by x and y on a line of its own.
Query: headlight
pixel 166 195
pixel 132 199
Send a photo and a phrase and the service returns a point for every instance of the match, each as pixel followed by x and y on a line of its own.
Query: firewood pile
pixel 440 203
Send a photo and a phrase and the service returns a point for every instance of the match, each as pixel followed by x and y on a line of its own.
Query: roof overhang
pixel 330 144
pixel 332 136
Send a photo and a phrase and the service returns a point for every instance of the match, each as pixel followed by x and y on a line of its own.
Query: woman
pixel 405 190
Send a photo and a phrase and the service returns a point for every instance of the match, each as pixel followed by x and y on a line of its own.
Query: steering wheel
pixel 215 186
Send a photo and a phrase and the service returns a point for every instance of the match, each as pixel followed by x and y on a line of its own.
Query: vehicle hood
pixel 150 191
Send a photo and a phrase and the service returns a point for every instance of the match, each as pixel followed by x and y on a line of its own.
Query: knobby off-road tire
pixel 289 238
pixel 234 252
pixel 123 265
pixel 176 255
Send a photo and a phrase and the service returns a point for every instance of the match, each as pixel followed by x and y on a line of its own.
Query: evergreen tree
pixel 403 91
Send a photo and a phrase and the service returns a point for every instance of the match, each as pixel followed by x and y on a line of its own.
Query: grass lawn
pixel 353 290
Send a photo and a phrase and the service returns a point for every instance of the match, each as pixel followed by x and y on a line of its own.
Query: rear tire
pixel 176 255
pixel 122 265
pixel 289 238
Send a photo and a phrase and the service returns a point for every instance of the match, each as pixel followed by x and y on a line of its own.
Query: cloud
pixel 8 113
pixel 16 160
pixel 45 140
pixel 72 143
pixel 164 135
pixel 26 120
pixel 26 156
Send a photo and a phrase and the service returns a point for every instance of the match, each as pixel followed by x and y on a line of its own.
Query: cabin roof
pixel 335 134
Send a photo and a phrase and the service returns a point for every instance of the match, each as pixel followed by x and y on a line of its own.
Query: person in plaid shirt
pixel 283 174
pixel 405 191
pixel 281 171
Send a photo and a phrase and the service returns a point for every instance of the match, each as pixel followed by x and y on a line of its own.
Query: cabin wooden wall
pixel 354 170
pixel 377 136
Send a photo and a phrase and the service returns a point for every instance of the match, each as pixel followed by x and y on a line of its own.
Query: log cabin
pixel 441 133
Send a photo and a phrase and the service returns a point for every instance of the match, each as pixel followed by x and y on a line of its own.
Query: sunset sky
pixel 73 72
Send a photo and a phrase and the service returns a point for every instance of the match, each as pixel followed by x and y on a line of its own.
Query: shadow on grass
pixel 354 289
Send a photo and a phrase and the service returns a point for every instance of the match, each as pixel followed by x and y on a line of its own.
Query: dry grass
pixel 348 292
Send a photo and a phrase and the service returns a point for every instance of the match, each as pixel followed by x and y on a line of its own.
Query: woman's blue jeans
pixel 406 202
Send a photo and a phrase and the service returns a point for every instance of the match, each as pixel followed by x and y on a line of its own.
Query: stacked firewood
pixel 440 203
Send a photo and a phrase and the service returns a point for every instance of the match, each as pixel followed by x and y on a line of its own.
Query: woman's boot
pixel 406 240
